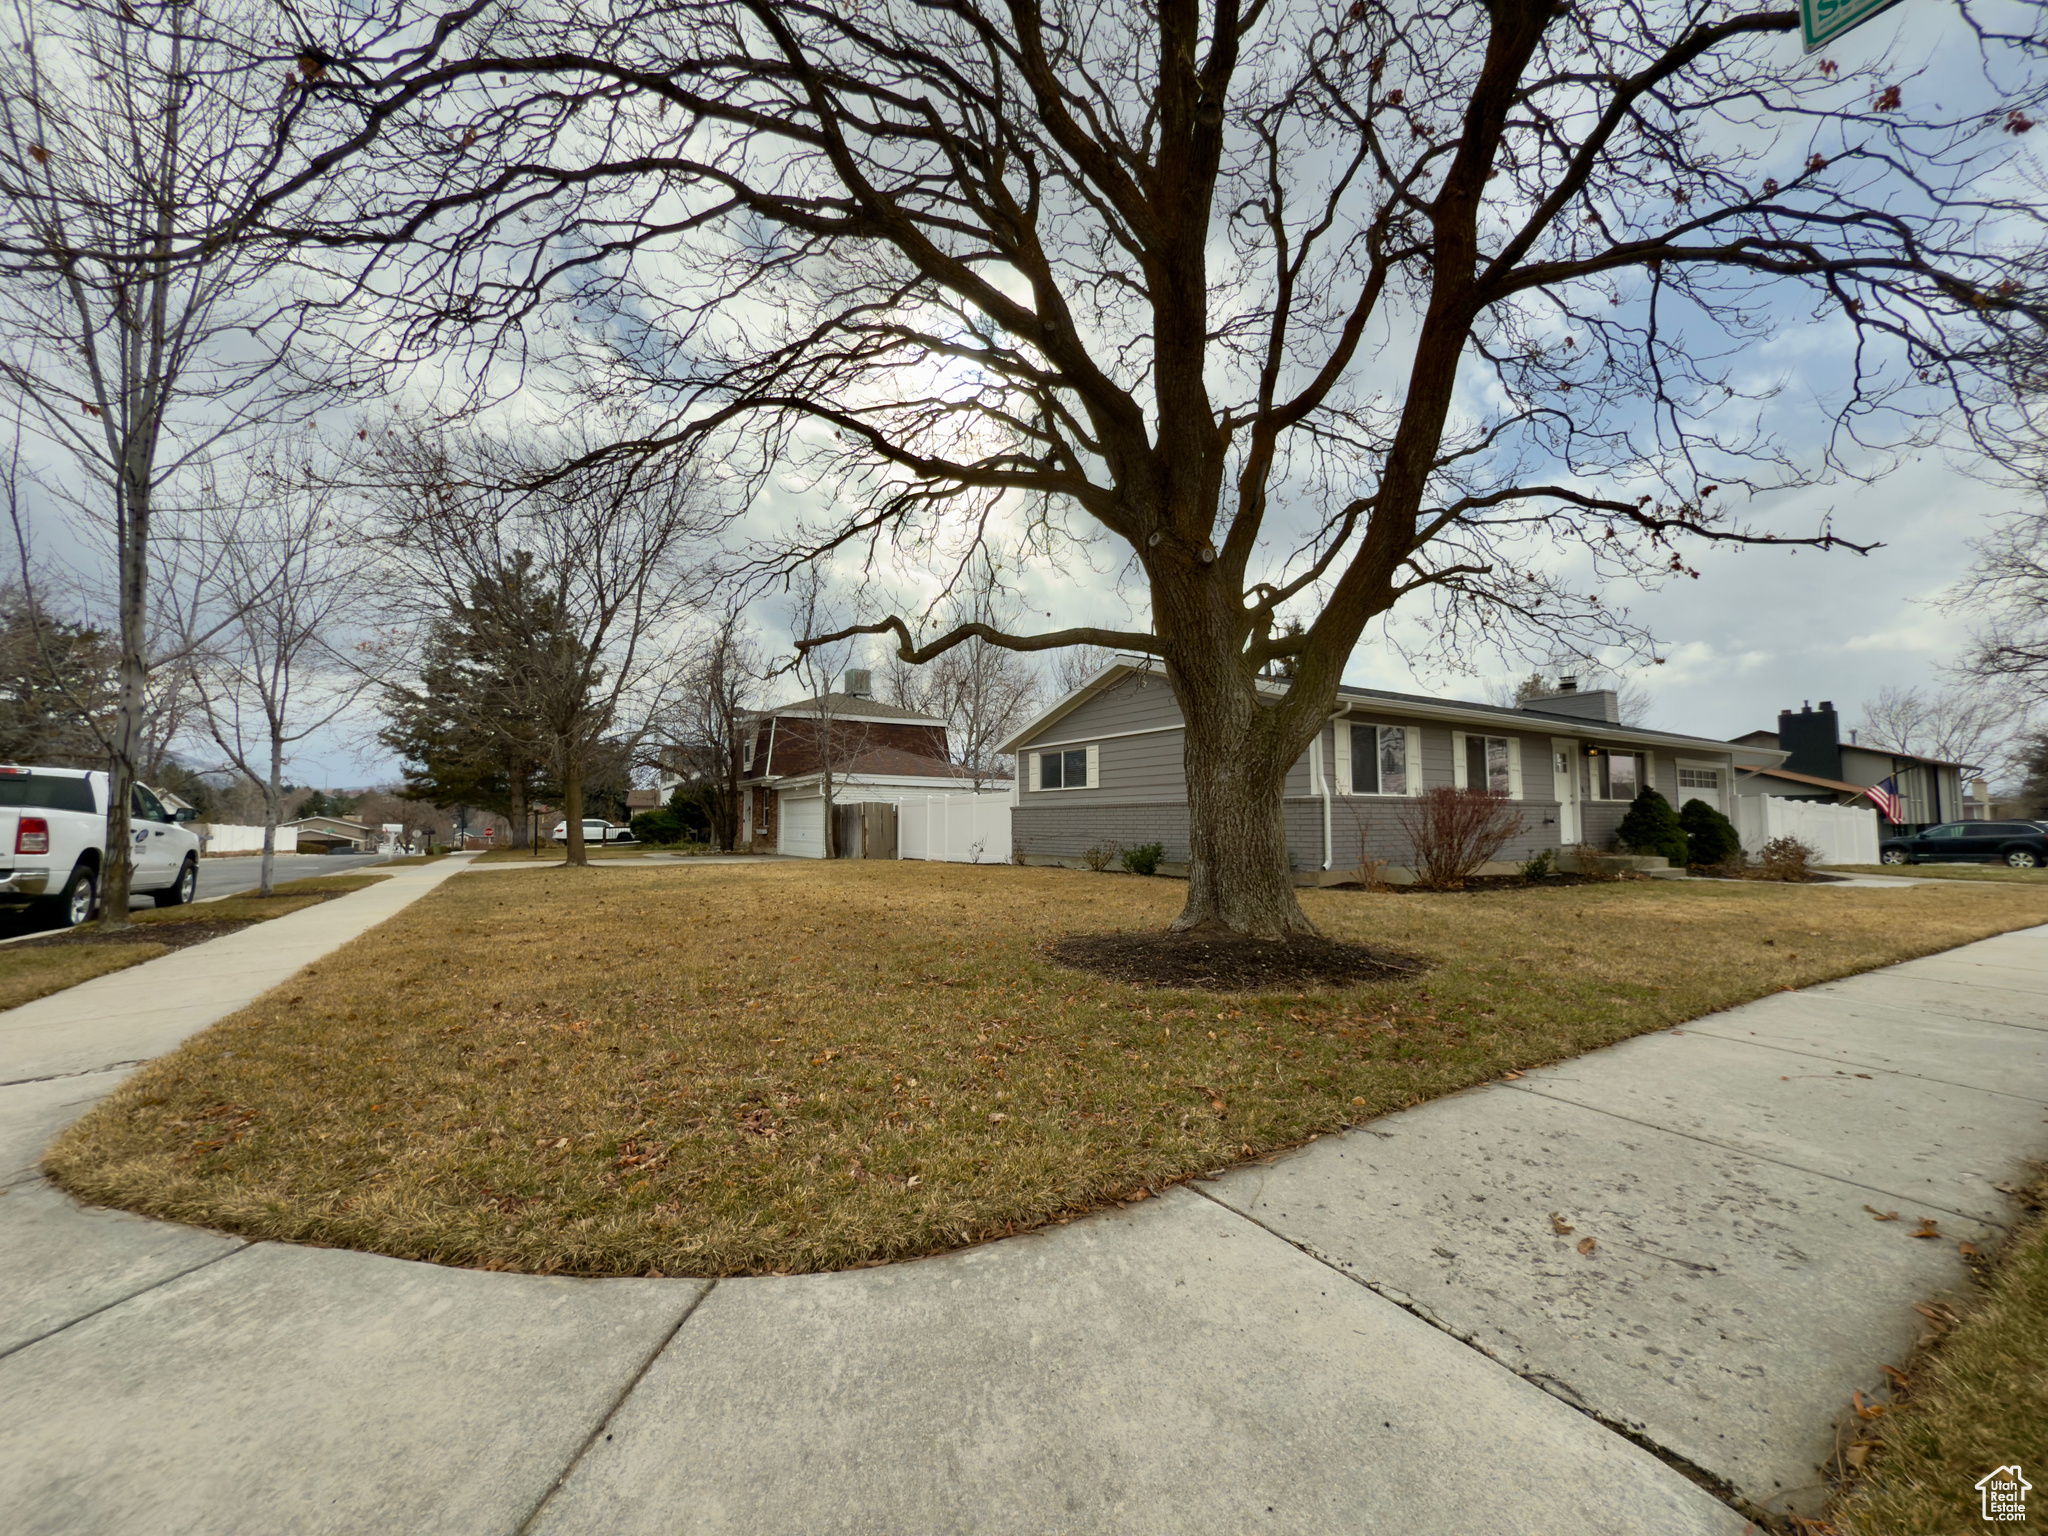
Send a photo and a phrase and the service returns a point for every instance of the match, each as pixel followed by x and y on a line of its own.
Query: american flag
pixel 1885 797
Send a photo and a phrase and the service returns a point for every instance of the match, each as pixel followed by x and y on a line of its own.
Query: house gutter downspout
pixel 1324 779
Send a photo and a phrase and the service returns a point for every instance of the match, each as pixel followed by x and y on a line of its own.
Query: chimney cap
pixel 1568 683
pixel 1827 706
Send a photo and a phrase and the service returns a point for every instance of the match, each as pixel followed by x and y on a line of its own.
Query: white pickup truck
pixel 53 843
pixel 595 830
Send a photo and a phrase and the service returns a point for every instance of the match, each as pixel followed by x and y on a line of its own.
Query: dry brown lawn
pixel 30 970
pixel 1974 1400
pixel 1999 872
pixel 722 1070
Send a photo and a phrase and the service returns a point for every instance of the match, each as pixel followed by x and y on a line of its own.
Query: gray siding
pixel 1141 793
pixel 1133 769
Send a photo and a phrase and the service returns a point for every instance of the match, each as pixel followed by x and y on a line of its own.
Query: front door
pixel 1564 774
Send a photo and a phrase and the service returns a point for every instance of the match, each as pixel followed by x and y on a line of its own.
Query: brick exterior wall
pixel 797 743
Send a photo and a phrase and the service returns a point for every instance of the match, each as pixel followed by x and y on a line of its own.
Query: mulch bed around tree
pixel 1216 960
pixel 170 935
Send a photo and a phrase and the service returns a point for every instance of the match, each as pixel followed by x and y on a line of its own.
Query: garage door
pixel 1702 783
pixel 802 828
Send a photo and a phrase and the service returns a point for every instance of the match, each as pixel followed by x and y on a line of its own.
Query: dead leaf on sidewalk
pixel 1867 1410
pixel 1510 1077
pixel 1928 1227
pixel 1559 1225
pixel 1877 1215
pixel 1587 1245
pixel 1896 1376
pixel 1969 1250
pixel 1938 1315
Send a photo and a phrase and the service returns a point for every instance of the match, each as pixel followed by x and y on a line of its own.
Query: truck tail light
pixel 33 836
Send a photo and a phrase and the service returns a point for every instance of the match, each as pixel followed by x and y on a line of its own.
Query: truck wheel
pixel 183 890
pixel 76 903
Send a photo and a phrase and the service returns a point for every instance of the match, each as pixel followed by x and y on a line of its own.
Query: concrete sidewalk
pixel 1383 1332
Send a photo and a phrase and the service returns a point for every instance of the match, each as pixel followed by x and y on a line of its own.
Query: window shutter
pixel 1514 767
pixel 1038 770
pixel 1411 763
pixel 1458 773
pixel 1340 756
pixel 1094 766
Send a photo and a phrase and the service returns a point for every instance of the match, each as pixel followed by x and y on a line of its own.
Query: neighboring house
pixel 323 834
pixel 1105 764
pixel 873 752
pixel 1978 805
pixel 1819 765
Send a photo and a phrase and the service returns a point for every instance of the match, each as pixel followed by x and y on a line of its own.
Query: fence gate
pixel 866 830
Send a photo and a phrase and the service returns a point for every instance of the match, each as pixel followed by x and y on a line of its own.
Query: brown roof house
pixel 851 749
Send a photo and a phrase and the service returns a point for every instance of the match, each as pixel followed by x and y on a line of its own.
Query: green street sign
pixel 1822 21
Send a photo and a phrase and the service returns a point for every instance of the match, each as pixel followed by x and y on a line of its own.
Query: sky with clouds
pixel 1759 630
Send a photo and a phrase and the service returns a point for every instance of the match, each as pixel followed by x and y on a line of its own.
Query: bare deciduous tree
pixel 1971 726
pixel 573 574
pixel 1316 311
pixel 280 667
pixel 698 737
pixel 140 324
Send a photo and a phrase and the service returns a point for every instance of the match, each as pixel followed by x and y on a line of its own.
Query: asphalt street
pixel 217 877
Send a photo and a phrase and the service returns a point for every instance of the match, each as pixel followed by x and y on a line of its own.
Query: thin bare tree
pixel 142 325
pixel 282 666
pixel 572 573
pixel 698 739
pixel 1971 726
pixel 1315 311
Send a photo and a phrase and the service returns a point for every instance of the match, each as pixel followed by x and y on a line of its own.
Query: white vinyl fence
pixel 215 838
pixel 957 829
pixel 1844 834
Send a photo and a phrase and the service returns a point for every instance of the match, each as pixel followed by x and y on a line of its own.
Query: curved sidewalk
pixel 1382 1332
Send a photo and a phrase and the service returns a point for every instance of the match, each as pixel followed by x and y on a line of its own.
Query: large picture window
pixel 1063 770
pixel 1614 775
pixel 1379 760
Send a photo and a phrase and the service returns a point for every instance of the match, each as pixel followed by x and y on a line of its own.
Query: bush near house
pixel 1710 837
pixel 1144 859
pixel 1652 827
pixel 1456 831
pixel 659 826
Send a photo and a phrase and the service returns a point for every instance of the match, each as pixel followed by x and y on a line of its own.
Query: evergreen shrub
pixel 1652 827
pixel 1710 837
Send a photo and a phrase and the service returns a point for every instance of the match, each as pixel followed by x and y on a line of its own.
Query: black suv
pixel 2022 844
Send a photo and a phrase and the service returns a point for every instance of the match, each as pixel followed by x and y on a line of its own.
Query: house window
pixel 1699 778
pixel 1613 775
pixel 1486 764
pixel 747 754
pixel 1379 760
pixel 1063 770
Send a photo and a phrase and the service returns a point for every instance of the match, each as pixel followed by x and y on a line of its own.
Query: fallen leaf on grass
pixel 1859 1453
pixel 1928 1228
pixel 1941 1316
pixel 1897 1376
pixel 1867 1410
pixel 1559 1225
pixel 1877 1215
pixel 1510 1077
pixel 1587 1245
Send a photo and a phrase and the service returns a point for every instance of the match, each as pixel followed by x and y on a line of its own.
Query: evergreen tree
pixel 1710 837
pixel 470 730
pixel 1651 827
pixel 56 678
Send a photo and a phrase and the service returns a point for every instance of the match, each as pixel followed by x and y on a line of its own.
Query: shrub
pixel 1101 856
pixel 659 826
pixel 1144 859
pixel 1542 867
pixel 1454 831
pixel 1785 858
pixel 1651 827
pixel 1710 838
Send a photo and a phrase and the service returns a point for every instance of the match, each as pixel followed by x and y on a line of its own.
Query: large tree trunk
pixel 572 803
pixel 1236 765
